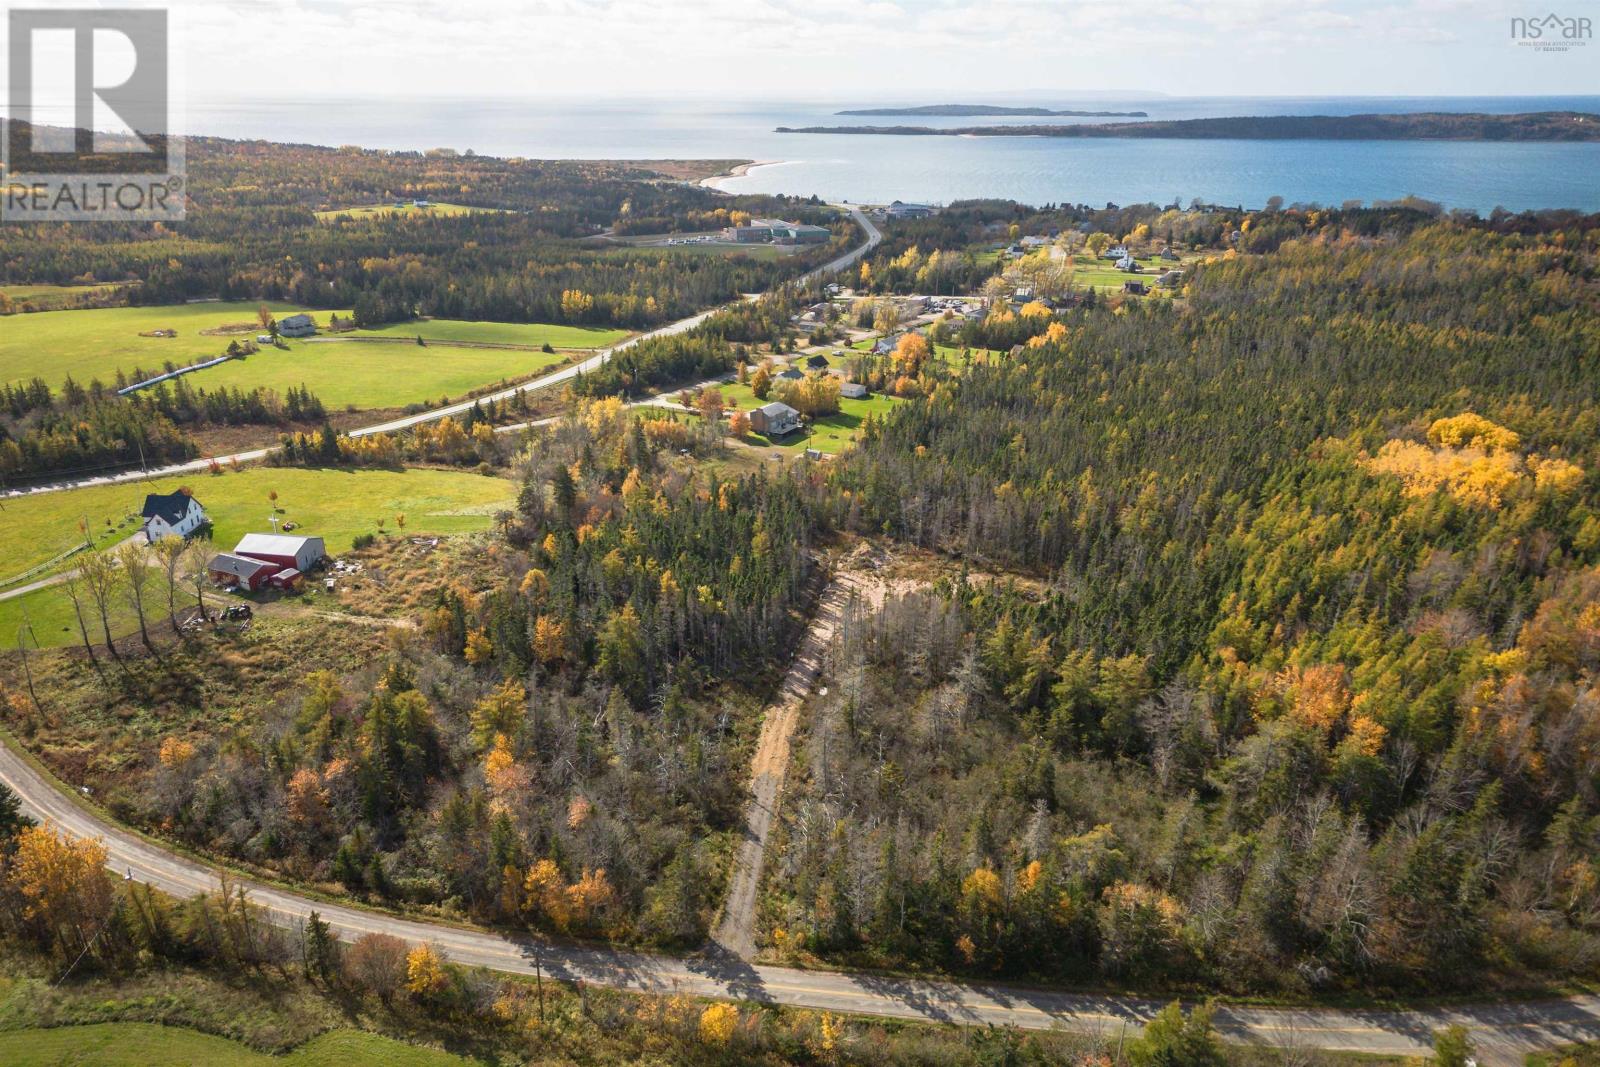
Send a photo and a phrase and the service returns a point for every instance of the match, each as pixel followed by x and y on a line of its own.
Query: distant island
pixel 992 109
pixel 1422 126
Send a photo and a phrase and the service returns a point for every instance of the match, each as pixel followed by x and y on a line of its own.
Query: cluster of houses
pixel 776 231
pixel 278 561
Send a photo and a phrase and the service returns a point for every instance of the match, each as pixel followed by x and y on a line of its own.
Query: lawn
pixel 367 211
pixel 831 433
pixel 1102 273
pixel 143 1044
pixel 334 504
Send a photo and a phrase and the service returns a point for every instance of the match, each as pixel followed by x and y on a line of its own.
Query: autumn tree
pixel 63 887
pixel 378 963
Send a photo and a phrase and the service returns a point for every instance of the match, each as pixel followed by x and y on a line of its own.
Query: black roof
pixel 170 506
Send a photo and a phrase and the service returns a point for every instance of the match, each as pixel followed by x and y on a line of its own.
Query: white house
pixel 1116 253
pixel 1129 264
pixel 296 326
pixel 171 515
pixel 852 390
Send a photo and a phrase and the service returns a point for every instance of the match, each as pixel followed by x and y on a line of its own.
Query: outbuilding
pixel 171 515
pixel 233 571
pixel 286 550
pixel 852 391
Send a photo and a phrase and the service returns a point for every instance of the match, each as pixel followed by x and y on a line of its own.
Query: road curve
pixel 1503 1031
pixel 565 374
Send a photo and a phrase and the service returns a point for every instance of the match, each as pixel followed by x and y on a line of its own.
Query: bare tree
pixel 194 561
pixel 75 592
pixel 170 552
pixel 101 578
pixel 137 573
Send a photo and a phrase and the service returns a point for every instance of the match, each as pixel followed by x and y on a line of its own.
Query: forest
pixel 1291 684
pixel 561 742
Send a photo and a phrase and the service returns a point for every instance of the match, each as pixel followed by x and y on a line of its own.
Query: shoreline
pixel 715 181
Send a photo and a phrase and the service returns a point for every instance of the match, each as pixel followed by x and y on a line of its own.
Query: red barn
pixel 239 572
pixel 286 550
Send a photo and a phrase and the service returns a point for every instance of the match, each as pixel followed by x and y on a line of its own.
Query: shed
pixel 853 391
pixel 287 579
pixel 817 362
pixel 235 571
pixel 286 550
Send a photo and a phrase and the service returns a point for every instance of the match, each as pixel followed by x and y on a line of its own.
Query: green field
pixel 500 333
pixel 334 504
pixel 367 211
pixel 89 344
pixel 355 375
pixel 94 343
pixel 147 1044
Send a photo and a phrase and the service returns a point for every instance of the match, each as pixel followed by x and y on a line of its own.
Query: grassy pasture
pixel 95 343
pixel 351 374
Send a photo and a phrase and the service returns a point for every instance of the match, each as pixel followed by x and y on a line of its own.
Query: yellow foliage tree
pixel 479 647
pixel 62 884
pixel 718 1024
pixel 425 973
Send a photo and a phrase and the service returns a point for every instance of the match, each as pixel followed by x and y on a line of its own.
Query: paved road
pixel 1503 1032
pixel 558 377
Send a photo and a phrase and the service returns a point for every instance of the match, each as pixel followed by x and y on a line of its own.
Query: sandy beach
pixel 716 180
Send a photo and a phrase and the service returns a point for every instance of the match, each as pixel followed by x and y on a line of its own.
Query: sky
pixel 894 50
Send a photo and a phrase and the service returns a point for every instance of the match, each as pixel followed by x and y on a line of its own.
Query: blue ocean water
pixel 872 168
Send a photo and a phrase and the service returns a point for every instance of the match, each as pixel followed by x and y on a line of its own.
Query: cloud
pixel 812 48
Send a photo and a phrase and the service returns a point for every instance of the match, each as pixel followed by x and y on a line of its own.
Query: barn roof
pixel 238 566
pixel 260 544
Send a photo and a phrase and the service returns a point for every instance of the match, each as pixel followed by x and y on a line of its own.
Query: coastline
pixel 715 181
